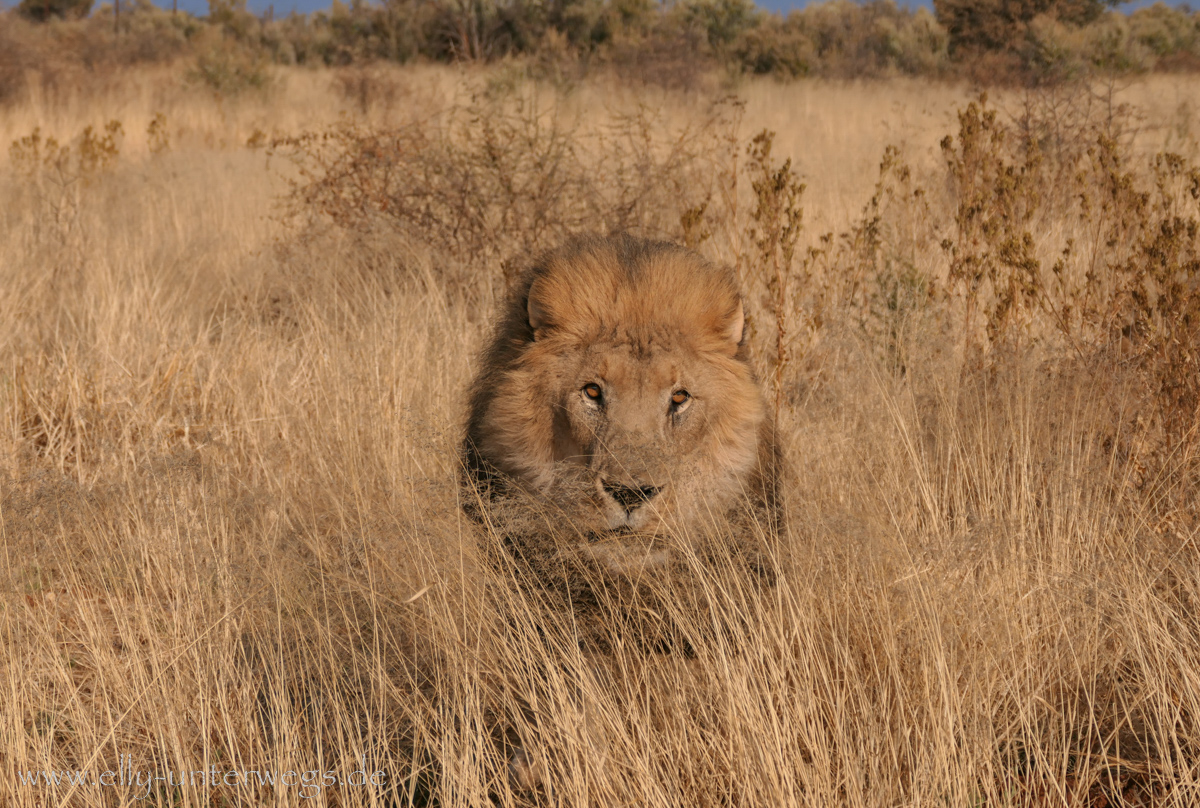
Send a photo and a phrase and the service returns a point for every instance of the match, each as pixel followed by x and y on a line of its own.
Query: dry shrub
pixel 56 175
pixel 29 59
pixel 1126 281
pixel 1045 237
pixel 492 183
pixel 229 67
pixel 60 56
pixel 1058 321
pixel 1048 283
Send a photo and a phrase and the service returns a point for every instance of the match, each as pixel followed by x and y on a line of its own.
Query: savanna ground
pixel 235 347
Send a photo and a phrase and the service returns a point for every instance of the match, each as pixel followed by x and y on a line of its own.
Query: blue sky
pixel 282 7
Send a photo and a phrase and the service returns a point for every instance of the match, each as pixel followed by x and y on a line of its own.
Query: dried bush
pixel 495 182
pixel 64 55
pixel 55 174
pixel 1126 279
pixel 1055 243
pixel 227 67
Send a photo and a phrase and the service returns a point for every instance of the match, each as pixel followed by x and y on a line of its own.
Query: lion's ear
pixel 539 308
pixel 735 325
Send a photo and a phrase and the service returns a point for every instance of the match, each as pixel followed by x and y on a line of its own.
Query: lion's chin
pixel 627 554
pixel 616 520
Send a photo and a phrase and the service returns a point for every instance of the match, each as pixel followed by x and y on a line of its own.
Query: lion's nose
pixel 630 497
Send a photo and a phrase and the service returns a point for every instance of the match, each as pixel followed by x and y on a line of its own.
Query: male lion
pixel 614 426
pixel 616 397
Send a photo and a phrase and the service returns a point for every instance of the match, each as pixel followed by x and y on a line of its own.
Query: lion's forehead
pixel 637 365
pixel 640 337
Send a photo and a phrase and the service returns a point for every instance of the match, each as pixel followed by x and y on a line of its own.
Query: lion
pixel 614 423
pixel 617 392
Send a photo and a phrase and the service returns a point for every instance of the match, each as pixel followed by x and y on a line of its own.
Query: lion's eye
pixel 593 391
pixel 679 399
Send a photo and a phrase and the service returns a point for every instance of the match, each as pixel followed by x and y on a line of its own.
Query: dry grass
pixel 230 413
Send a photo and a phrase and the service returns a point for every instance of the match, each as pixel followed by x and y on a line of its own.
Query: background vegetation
pixel 238 327
pixel 1000 41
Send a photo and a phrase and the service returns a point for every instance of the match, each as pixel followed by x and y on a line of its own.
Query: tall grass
pixel 231 392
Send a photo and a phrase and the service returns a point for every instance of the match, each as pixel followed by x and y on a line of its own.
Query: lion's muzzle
pixel 630 498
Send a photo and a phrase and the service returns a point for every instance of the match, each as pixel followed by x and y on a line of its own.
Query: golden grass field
pixel 229 423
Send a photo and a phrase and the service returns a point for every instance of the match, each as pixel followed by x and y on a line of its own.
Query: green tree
pixel 722 21
pixel 42 10
pixel 1002 25
pixel 233 17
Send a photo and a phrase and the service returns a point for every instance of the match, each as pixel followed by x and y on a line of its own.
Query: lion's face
pixel 621 392
pixel 636 430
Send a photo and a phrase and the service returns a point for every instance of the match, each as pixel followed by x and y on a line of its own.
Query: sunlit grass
pixel 231 524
